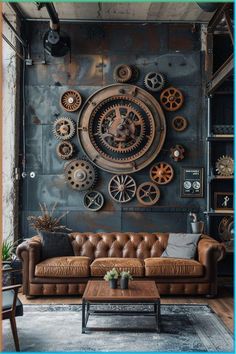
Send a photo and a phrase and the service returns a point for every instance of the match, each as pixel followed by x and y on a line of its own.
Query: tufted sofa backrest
pixel 117 244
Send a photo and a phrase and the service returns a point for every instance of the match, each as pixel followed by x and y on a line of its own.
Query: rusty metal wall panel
pixel 96 50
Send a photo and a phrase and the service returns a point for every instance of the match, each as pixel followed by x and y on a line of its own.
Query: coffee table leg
pixel 83 316
pixel 158 316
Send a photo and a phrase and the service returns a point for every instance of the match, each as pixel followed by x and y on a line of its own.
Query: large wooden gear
pixel 121 128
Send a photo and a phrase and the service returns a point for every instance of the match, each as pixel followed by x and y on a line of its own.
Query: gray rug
pixel 185 328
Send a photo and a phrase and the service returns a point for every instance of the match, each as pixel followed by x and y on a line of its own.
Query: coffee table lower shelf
pixel 87 311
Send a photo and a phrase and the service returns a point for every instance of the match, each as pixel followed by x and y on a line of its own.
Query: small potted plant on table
pixel 112 277
pixel 124 279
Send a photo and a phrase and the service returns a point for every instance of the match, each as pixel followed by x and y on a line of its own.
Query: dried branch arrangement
pixel 47 222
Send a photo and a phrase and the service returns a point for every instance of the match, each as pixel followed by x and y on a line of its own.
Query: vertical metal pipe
pixel 208 152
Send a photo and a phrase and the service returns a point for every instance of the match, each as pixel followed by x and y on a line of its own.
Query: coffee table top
pixel 140 290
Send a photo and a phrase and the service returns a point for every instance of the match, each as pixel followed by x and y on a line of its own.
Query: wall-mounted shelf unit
pixel 220 131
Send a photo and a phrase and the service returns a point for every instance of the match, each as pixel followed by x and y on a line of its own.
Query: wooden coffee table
pixel 139 293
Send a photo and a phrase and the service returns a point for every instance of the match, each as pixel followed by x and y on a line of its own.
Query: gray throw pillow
pixel 55 244
pixel 181 246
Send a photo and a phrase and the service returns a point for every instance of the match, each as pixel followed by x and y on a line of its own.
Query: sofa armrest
pixel 29 252
pixel 210 252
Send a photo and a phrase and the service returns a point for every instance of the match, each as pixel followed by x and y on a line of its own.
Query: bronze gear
pixel 65 150
pixel 148 193
pixel 162 173
pixel 71 100
pixel 121 128
pixel 64 128
pixel 177 153
pixel 93 200
pixel 122 73
pixel 80 175
pixel 225 166
pixel 179 123
pixel 122 188
pixel 226 229
pixel 172 99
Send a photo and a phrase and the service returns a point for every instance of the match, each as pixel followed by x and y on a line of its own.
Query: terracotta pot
pixel 113 283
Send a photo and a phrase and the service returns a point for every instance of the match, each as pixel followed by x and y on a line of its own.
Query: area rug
pixel 185 328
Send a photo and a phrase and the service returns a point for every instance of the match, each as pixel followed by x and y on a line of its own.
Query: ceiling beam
pixel 220 75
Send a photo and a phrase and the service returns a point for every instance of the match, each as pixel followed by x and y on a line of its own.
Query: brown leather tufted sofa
pixel 95 253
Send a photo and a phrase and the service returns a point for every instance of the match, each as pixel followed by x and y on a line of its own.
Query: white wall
pixel 10 135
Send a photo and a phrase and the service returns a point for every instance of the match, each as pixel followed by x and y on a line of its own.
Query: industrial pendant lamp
pixel 56 43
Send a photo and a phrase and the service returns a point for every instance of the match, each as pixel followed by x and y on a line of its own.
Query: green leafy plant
pixel 126 275
pixel 8 248
pixel 46 221
pixel 111 274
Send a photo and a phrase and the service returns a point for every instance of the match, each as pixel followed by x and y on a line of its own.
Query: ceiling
pixel 145 11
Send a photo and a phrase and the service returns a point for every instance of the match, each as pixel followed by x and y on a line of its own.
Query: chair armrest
pixel 12 287
pixel 29 252
pixel 210 252
pixel 33 243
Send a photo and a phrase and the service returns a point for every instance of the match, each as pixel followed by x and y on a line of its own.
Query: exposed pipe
pixel 14 30
pixel 144 22
pixel 12 46
pixel 52 13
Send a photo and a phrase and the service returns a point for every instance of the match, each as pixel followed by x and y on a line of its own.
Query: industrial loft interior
pixel 118 173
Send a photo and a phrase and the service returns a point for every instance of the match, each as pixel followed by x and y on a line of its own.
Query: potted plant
pixel 197 226
pixel 8 247
pixel 47 221
pixel 124 279
pixel 112 277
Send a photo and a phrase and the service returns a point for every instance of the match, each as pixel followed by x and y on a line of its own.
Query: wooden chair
pixel 12 307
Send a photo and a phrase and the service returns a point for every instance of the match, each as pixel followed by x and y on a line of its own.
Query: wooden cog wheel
pixel 162 173
pixel 71 100
pixel 148 193
pixel 172 99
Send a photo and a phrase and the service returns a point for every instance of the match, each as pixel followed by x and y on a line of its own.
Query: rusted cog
pixel 80 175
pixel 177 153
pixel 71 100
pixel 122 188
pixel 162 173
pixel 179 123
pixel 148 193
pixel 65 150
pixel 93 200
pixel 121 128
pixel 122 73
pixel 154 81
pixel 225 166
pixel 172 99
pixel 64 128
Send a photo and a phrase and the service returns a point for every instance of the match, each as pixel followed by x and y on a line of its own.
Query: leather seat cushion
pixel 100 266
pixel 172 267
pixel 64 267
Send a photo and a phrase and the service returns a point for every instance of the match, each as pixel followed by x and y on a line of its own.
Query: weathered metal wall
pixel 172 49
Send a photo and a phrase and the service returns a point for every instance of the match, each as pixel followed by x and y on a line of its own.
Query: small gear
pixel 177 153
pixel 172 99
pixel 93 200
pixel 122 188
pixel 154 81
pixel 179 123
pixel 225 166
pixel 65 150
pixel 80 175
pixel 71 100
pixel 148 193
pixel 162 173
pixel 64 128
pixel 122 73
